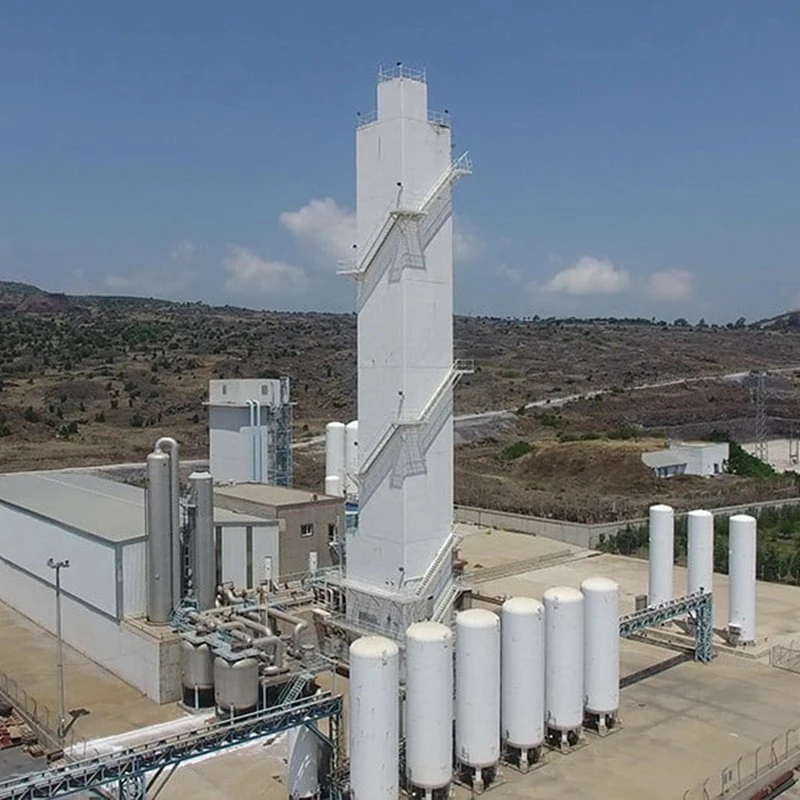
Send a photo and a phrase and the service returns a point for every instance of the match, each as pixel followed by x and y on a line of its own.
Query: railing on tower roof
pixel 441 118
pixel 401 71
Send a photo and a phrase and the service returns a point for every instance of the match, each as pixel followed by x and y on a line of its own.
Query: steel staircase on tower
pixel 444 554
pixel 461 366
pixel 457 169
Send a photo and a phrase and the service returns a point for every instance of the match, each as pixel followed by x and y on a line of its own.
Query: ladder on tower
pixel 448 600
pixel 457 169
pixel 461 366
pixel 444 554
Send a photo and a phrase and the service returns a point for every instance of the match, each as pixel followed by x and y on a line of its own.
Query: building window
pixel 307 529
pixel 224 388
pixel 331 532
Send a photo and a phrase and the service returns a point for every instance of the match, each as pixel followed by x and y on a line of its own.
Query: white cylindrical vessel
pixel 522 674
pixel 334 453
pixel 429 705
pixel 700 555
pixel 742 576
pixel 334 486
pixel 374 730
pixel 477 688
pixel 304 764
pixel 563 681
pixel 601 649
pixel 351 458
pixel 662 543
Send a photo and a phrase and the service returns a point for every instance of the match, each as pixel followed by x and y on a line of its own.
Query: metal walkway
pixel 128 767
pixel 697 607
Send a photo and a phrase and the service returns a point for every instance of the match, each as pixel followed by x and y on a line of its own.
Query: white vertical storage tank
pixel 304 764
pixel 158 523
pixel 522 678
pixel 601 652
pixel 661 556
pixel 742 576
pixel 563 680
pixel 478 694
pixel 351 458
pixel 374 731
pixel 429 706
pixel 334 458
pixel 700 547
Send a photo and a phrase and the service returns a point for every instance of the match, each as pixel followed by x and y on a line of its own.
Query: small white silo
pixel 334 458
pixel 742 577
pixel 601 652
pixel 303 764
pixel 700 552
pixel 374 730
pixel 522 679
pixel 478 695
pixel 563 659
pixel 429 706
pixel 351 459
pixel 661 556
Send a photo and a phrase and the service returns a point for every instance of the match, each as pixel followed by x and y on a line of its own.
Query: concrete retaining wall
pixel 577 533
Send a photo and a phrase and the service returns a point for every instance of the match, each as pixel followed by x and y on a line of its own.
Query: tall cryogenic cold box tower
pixel 403 268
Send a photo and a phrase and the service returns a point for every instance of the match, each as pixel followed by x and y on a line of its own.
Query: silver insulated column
pixel 204 571
pixel 159 540
pixel 169 446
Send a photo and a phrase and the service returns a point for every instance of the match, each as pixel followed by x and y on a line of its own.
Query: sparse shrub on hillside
pixel 516 450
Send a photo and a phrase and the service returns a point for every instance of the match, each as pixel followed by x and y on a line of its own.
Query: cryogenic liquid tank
pixel 351 457
pixel 700 546
pixel 477 688
pixel 334 454
pixel 159 541
pixel 563 680
pixel 304 764
pixel 601 649
pixel 662 543
pixel 522 674
pixel 429 705
pixel 197 675
pixel 742 576
pixel 235 685
pixel 374 731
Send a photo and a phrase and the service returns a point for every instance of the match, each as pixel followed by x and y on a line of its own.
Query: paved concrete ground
pixel 28 656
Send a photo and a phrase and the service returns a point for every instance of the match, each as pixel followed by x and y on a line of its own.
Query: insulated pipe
pixel 204 570
pixel 300 626
pixel 251 406
pixel 260 443
pixel 168 445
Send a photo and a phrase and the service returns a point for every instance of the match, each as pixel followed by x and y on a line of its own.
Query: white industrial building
pixel 99 526
pixel 689 458
pixel 250 431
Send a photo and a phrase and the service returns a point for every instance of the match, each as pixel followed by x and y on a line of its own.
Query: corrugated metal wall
pixel 26 543
pixel 134 579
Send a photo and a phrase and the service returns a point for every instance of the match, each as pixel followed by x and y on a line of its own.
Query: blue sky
pixel 630 157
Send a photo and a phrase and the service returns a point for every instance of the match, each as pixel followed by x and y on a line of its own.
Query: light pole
pixel 57 566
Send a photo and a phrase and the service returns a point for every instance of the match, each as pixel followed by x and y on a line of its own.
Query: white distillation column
pixel 742 575
pixel 661 555
pixel 404 274
pixel 334 459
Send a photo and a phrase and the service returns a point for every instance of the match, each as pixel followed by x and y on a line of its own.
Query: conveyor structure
pixel 130 767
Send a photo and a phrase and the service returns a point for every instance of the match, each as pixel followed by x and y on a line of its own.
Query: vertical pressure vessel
pixel 477 688
pixel 601 646
pixel 374 731
pixel 563 623
pixel 742 574
pixel 700 547
pixel 334 457
pixel 429 705
pixel 662 532
pixel 522 673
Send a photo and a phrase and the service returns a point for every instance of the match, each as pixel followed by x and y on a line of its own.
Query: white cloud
pixel 467 245
pixel 117 282
pixel 510 274
pixel 590 276
pixel 671 284
pixel 325 225
pixel 248 271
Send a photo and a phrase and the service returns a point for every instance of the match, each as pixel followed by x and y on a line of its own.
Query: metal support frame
pixel 128 767
pixel 698 607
